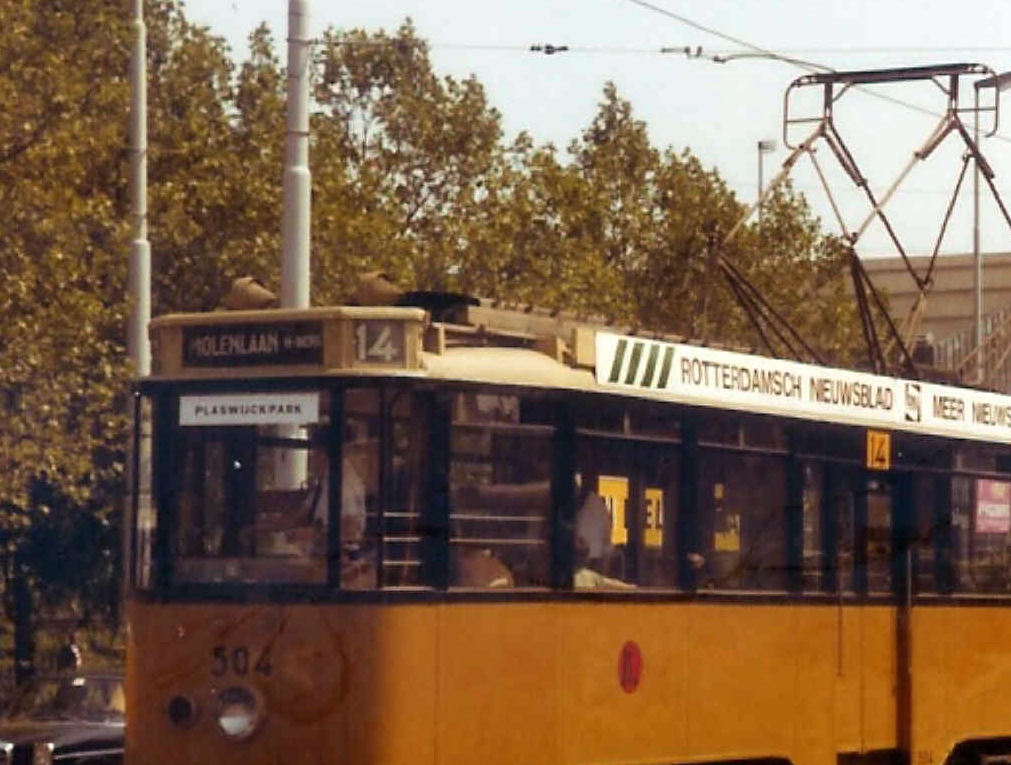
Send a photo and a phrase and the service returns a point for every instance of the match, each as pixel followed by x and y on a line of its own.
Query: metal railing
pixel 990 367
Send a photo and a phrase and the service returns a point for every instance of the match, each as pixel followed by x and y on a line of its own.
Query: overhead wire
pixel 720 53
pixel 868 50
pixel 700 27
pixel 774 55
pixel 873 343
pixel 547 48
pixel 752 50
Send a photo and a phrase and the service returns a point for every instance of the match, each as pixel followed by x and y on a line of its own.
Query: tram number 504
pixel 379 342
pixel 237 661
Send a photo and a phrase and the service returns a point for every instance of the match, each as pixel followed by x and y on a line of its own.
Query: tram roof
pixel 472 341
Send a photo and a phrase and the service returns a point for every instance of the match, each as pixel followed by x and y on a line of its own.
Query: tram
pixel 443 531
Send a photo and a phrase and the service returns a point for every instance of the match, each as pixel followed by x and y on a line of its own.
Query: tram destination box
pixel 297 341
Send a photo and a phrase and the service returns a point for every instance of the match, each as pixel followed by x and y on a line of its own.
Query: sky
pixel 720 111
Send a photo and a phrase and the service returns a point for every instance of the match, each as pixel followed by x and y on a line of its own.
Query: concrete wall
pixel 949 309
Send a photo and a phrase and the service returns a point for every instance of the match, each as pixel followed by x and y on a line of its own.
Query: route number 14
pixel 879 450
pixel 379 342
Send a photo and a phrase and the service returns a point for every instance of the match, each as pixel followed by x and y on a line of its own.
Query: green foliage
pixel 402 158
pixel 411 176
pixel 62 369
pixel 217 139
pixel 72 551
pixel 60 360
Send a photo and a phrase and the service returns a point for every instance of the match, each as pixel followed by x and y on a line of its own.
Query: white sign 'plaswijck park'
pixel 249 409
pixel 712 377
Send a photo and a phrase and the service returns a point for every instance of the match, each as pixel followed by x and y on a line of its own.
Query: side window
pixel 625 529
pixel 981 521
pixel 658 519
pixel 980 539
pixel 858 540
pixel 931 502
pixel 743 521
pixel 607 498
pixel 843 507
pixel 813 552
pixel 879 536
pixel 962 532
pixel 741 532
pixel 401 507
pixel 500 471
pixel 359 495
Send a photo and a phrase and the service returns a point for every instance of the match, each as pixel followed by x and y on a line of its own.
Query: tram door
pixel 638 485
pixel 872 682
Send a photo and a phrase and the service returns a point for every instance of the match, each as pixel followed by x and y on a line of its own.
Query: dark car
pixel 72 719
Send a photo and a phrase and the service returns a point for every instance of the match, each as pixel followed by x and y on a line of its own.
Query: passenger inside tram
pixel 480 567
pixel 300 517
pixel 593 545
pixel 499 536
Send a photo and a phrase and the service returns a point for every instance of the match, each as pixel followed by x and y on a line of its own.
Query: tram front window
pixel 252 502
pixel 251 507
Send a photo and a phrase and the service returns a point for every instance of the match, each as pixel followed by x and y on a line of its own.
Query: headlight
pixel 42 754
pixel 239 712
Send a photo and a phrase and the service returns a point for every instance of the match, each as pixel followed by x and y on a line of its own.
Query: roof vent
pixel 442 306
pixel 376 288
pixel 249 294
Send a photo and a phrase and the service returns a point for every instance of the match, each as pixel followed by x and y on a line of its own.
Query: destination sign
pixel 249 409
pixel 273 344
pixel 712 377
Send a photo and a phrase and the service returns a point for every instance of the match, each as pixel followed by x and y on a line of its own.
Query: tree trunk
pixel 24 634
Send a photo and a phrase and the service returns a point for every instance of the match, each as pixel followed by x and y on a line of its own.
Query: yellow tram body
pixel 527 682
pixel 915 672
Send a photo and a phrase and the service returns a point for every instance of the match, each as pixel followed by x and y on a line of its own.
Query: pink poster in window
pixel 993 507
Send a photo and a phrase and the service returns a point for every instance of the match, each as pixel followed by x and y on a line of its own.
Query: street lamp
pixel 998 82
pixel 765 146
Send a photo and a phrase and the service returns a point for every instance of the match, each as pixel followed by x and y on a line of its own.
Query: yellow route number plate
pixel 879 450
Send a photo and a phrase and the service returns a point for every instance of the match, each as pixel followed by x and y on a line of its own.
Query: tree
pixel 401 161
pixel 520 245
pixel 804 274
pixel 63 372
pixel 61 362
pixel 56 245
pixel 216 182
pixel 410 176
pixel 642 238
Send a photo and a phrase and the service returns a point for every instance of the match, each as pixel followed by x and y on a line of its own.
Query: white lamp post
pixel 765 146
pixel 999 82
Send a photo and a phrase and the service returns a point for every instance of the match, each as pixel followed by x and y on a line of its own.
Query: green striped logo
pixel 649 363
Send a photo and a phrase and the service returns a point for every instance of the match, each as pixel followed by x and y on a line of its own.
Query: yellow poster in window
pixel 654 518
pixel 727 536
pixel 614 490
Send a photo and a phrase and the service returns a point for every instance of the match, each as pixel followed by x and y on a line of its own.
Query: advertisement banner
pixel 698 375
pixel 993 507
